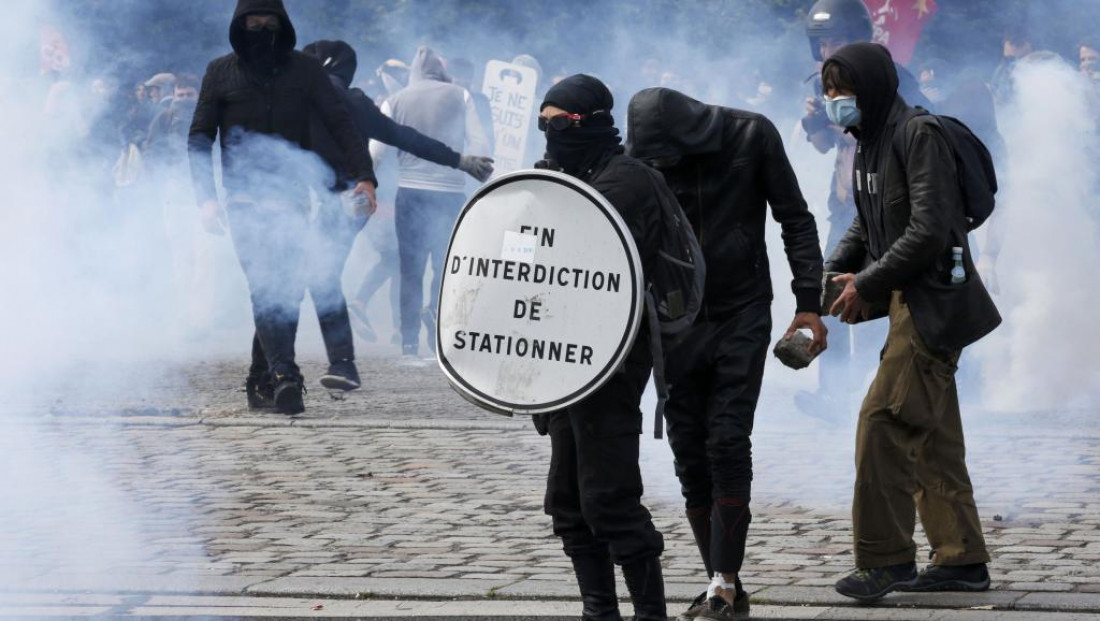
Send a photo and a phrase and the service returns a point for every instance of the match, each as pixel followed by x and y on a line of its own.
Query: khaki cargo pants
pixel 910 457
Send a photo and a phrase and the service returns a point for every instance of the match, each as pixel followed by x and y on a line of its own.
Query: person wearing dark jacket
pixel 830 25
pixel 259 100
pixel 909 225
pixel 594 487
pixel 725 167
pixel 333 232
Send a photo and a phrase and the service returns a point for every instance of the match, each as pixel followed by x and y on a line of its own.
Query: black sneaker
pixel 719 609
pixel 868 585
pixel 260 392
pixel 341 375
pixel 943 578
pixel 288 394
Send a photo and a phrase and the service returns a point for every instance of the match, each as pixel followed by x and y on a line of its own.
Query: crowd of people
pixel 280 148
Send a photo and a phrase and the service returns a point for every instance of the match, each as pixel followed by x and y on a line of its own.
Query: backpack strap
pixel 900 147
pixel 657 353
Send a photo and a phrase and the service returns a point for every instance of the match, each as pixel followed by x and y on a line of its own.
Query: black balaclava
pixel 875 78
pixel 263 50
pixel 577 149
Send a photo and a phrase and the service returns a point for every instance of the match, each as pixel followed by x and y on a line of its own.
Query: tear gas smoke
pixel 1048 220
pixel 112 290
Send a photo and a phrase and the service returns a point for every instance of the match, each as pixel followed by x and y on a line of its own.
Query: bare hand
pixel 850 305
pixel 213 218
pixel 367 188
pixel 814 323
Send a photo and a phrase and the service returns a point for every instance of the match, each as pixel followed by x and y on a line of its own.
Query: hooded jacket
pixel 340 61
pixel 909 213
pixel 435 107
pixel 238 98
pixel 731 165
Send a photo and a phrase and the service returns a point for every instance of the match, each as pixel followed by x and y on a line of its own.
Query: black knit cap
pixel 579 94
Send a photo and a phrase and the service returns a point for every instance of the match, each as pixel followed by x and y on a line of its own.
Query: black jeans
pixel 332 234
pixel 715 374
pixel 594 487
pixel 424 221
pixel 270 240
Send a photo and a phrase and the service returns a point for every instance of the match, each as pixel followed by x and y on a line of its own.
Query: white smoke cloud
pixel 1041 357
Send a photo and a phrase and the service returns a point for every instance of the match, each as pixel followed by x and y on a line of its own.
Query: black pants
pixel 271 245
pixel 332 234
pixel 715 374
pixel 594 487
pixel 424 221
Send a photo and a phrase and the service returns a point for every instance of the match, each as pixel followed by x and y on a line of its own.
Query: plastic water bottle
pixel 958 272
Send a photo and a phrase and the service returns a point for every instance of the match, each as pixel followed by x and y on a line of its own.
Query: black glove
pixel 476 166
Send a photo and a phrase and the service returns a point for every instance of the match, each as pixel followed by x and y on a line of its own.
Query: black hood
pixel 664 123
pixel 337 57
pixel 875 78
pixel 287 37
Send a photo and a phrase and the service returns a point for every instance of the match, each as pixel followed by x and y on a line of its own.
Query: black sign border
pixel 632 328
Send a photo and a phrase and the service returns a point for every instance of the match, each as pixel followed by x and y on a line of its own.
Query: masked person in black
pixel 594 487
pixel 333 231
pixel 910 222
pixel 725 167
pixel 260 100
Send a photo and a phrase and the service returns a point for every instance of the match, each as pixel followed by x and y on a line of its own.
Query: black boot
pixel 647 589
pixel 289 390
pixel 596 579
pixel 260 392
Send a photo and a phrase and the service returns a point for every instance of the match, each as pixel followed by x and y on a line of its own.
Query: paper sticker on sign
pixel 545 320
pixel 519 247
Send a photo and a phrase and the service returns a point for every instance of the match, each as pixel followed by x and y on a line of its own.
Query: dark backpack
pixel 977 176
pixel 674 291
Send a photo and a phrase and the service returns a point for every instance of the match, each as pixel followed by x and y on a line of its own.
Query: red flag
pixel 898 24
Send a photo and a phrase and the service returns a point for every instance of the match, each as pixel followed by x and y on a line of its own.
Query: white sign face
pixel 541 295
pixel 511 92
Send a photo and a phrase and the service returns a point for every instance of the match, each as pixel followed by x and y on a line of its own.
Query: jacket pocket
pixel 923 385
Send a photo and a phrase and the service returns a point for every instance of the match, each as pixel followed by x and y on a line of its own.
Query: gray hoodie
pixel 435 107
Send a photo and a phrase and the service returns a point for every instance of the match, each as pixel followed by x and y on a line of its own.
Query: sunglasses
pixel 560 122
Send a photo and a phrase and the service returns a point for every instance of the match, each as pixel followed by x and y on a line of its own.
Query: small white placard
pixel 519 247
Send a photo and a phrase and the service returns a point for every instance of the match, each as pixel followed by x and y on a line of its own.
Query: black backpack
pixel 977 176
pixel 674 291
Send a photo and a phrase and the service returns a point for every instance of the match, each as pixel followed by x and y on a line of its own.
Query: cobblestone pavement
pixel 404 490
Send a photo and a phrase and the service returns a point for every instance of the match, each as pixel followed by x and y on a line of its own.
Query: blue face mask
pixel 842 111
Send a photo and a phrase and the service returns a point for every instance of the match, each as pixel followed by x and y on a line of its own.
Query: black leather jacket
pixel 731 166
pixel 909 216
